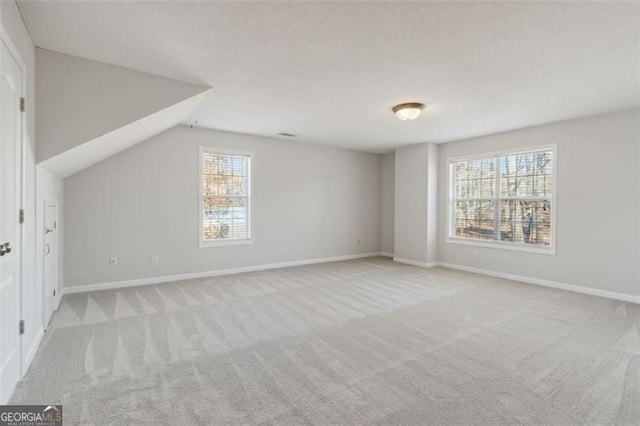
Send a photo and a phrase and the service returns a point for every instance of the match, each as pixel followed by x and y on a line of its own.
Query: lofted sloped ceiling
pixel 331 71
pixel 91 152
pixel 88 110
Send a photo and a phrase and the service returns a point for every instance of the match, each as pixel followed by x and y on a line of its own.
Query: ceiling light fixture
pixel 409 111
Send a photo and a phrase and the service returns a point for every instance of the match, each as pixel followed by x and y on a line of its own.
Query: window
pixel 225 209
pixel 504 200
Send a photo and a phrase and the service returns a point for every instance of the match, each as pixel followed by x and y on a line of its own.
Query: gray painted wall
pixel 143 202
pixel 415 203
pixel 432 202
pixel 597 211
pixel 386 198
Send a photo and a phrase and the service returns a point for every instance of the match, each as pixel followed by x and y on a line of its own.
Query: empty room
pixel 326 213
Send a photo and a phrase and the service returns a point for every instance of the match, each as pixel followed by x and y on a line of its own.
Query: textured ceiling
pixel 330 72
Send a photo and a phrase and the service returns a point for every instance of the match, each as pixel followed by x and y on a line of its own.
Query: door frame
pixel 56 300
pixel 6 39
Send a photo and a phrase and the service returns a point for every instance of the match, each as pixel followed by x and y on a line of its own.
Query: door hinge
pixel 21 216
pixel 22 106
pixel 21 326
pixel 54 292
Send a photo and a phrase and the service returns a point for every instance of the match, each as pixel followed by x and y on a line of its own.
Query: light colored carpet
pixel 359 342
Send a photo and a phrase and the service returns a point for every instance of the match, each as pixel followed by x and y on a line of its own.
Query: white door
pixel 10 169
pixel 50 259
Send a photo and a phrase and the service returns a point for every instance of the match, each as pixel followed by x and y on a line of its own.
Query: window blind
pixel 226 187
pixel 503 198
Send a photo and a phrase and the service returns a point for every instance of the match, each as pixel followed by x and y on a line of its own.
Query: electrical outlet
pixel 113 261
pixel 325 245
pixel 358 242
pixel 154 260
pixel 476 254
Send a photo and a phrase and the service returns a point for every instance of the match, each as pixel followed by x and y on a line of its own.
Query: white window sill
pixel 551 250
pixel 224 243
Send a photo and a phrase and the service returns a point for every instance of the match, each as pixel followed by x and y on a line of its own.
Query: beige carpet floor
pixel 360 342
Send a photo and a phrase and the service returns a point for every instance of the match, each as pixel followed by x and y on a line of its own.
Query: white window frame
pixel 202 242
pixel 505 245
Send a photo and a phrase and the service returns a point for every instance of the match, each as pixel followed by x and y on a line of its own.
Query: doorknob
pixel 5 248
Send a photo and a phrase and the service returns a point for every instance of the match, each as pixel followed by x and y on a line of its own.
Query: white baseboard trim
pixel 546 283
pixel 31 353
pixel 59 298
pixel 386 254
pixel 415 263
pixel 206 274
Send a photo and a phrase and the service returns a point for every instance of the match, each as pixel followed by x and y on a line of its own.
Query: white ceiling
pixel 330 72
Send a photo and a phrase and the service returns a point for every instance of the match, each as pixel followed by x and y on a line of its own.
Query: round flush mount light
pixel 409 111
